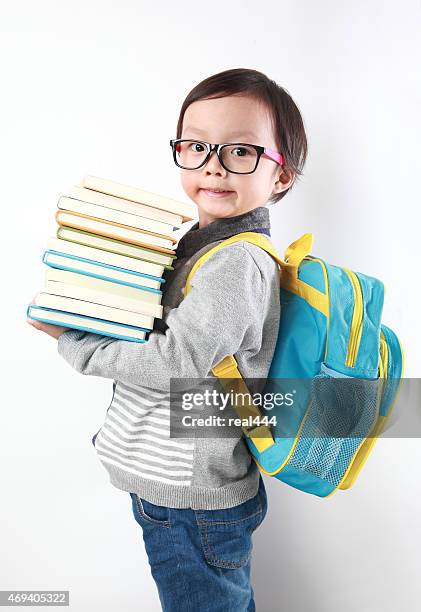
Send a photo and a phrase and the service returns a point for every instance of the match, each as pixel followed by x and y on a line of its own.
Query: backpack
pixel 347 364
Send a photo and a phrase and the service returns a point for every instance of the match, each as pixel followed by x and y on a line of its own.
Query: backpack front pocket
pixel 343 411
pixel 390 372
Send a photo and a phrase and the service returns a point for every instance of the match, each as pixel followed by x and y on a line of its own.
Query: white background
pixel 95 87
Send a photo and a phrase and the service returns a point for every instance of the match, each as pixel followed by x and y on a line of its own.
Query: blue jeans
pixel 200 559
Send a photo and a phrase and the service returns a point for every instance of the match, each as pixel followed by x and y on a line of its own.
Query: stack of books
pixel 107 260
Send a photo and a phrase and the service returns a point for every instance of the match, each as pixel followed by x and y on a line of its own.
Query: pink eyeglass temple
pixel 277 157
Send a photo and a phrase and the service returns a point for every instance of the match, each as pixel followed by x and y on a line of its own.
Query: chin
pixel 219 206
pixel 218 210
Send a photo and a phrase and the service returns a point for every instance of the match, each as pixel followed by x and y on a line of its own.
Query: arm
pixel 217 317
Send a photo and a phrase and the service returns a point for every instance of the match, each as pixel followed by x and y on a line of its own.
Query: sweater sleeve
pixel 222 312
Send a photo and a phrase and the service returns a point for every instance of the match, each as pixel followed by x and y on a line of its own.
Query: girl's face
pixel 223 120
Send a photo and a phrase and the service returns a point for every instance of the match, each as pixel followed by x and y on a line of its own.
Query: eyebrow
pixel 233 134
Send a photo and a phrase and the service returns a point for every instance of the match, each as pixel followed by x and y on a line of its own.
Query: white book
pixel 100 311
pixel 107 228
pixel 113 259
pixel 188 211
pixel 100 284
pixel 104 199
pixel 118 216
pixel 101 297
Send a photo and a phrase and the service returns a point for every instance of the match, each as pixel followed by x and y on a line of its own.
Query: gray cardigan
pixel 233 307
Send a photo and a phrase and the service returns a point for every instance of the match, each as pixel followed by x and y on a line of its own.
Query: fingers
pixel 34 323
pixel 28 320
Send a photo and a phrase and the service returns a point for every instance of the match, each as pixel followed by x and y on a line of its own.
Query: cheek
pixel 189 182
pixel 250 188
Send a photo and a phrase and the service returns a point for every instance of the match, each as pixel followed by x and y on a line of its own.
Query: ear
pixel 283 182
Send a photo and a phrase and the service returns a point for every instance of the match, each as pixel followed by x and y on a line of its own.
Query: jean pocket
pixel 226 535
pixel 152 514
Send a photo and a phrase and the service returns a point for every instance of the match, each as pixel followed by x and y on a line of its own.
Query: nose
pixel 213 162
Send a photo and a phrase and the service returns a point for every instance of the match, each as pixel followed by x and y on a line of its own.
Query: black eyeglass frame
pixel 273 155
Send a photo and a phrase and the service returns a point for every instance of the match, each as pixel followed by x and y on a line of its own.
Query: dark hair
pixel 286 119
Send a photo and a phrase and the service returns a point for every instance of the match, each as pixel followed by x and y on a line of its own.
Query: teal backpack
pixel 347 365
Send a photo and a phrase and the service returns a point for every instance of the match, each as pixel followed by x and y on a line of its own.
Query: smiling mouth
pixel 215 194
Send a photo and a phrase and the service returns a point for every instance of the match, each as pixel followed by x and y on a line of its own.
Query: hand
pixel 55 331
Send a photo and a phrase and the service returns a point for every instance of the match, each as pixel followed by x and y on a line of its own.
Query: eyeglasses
pixel 188 157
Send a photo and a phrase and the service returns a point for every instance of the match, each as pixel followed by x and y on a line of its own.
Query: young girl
pixel 199 500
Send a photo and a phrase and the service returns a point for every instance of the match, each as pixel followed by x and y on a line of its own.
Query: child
pixel 199 500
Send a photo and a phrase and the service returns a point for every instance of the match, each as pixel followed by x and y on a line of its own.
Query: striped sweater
pixel 233 307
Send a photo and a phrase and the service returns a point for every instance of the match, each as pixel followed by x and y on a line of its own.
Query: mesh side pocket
pixel 341 414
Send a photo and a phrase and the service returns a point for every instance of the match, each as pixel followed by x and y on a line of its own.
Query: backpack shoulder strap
pixel 294 255
pixel 227 369
pixel 288 267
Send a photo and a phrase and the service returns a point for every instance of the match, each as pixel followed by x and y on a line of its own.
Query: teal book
pixel 73 320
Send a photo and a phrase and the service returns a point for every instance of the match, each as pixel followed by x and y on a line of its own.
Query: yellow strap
pixel 296 252
pixel 298 249
pixel 289 280
pixel 231 380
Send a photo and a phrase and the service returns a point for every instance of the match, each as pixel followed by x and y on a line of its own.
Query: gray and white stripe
pixel 135 437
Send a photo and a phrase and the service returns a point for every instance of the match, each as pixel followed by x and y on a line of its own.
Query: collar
pixel 256 220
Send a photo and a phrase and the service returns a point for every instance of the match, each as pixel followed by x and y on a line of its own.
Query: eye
pixel 244 149
pixel 197 144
